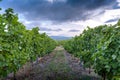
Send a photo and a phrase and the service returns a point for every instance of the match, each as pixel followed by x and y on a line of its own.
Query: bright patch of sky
pixel 50 1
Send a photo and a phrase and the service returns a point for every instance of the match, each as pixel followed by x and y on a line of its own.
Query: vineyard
pixel 98 48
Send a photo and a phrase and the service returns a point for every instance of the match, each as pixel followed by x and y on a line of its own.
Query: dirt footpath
pixel 58 65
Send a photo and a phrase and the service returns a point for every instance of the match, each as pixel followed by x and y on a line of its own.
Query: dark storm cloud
pixel 58 11
pixel 73 30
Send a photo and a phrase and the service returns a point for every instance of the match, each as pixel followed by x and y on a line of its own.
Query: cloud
pixel 58 11
pixel 64 17
pixel 73 30
pixel 116 5
pixel 112 20
pixel 48 29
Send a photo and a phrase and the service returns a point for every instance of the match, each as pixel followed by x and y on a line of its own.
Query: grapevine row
pixel 19 45
pixel 98 48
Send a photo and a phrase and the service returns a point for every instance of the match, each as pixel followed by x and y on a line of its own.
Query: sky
pixel 64 17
